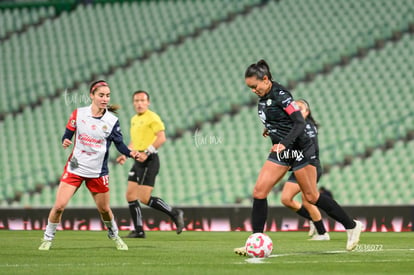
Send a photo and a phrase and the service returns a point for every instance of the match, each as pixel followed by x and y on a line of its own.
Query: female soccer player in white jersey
pixel 94 127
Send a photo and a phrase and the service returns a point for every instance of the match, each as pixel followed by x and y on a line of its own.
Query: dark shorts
pixel 318 166
pixel 144 173
pixel 294 158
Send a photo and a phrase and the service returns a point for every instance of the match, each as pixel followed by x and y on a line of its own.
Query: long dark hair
pixel 102 83
pixel 310 117
pixel 259 69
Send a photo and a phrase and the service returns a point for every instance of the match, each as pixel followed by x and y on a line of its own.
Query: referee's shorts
pixel 144 173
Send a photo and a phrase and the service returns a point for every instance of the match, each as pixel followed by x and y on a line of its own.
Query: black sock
pixel 136 215
pixel 159 204
pixel 335 211
pixel 259 215
pixel 320 227
pixel 303 213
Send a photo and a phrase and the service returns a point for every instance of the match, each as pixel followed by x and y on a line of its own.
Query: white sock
pixel 50 231
pixel 112 227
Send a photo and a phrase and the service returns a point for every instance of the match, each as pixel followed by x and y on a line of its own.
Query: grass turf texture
pixel 86 252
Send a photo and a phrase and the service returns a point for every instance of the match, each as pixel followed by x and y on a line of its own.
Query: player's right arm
pixel 70 130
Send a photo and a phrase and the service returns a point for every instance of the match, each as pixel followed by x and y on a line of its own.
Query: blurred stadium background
pixel 352 60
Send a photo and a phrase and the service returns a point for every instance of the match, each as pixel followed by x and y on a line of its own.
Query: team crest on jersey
pixel 104 128
pixel 269 102
pixel 281 92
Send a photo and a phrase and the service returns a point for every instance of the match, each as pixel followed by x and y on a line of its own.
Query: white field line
pixel 263 260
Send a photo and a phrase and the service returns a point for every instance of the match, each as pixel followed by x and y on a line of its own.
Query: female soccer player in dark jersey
pixel 292 149
pixel 291 187
pixel 95 127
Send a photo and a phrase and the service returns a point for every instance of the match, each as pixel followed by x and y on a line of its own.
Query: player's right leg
pixel 270 174
pixel 64 193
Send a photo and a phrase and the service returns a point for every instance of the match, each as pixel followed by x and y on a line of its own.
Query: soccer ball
pixel 259 245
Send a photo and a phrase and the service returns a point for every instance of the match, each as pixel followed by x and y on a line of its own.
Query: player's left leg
pixel 316 216
pixel 100 193
pixel 177 215
pixel 306 178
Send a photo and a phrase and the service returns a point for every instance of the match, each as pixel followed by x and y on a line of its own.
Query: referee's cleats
pixel 353 236
pixel 45 245
pixel 240 251
pixel 120 245
pixel 136 234
pixel 179 220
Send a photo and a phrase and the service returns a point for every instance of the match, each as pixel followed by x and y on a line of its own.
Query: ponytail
pixel 113 108
pixel 259 69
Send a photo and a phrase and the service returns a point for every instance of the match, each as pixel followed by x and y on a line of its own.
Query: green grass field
pixel 85 252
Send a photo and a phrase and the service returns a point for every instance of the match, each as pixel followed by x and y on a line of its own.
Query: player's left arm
pixel 292 109
pixel 158 128
pixel 117 138
pixel 159 140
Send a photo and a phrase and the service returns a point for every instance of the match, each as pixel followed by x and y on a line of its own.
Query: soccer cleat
pixel 312 229
pixel 136 234
pixel 240 251
pixel 45 245
pixel 353 236
pixel 111 234
pixel 120 245
pixel 179 221
pixel 323 237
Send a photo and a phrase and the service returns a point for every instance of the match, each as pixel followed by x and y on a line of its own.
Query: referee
pixel 147 136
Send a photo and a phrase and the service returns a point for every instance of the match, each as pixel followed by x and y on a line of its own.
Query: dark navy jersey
pixel 274 111
pixel 312 132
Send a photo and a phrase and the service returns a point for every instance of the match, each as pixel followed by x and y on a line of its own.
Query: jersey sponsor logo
pixel 287 101
pixel 93 127
pixel 282 92
pixel 87 140
pixel 88 153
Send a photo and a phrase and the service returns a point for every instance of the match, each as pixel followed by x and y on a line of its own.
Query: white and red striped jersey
pixel 93 137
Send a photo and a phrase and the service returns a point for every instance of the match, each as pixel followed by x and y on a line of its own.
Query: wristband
pixel 150 150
